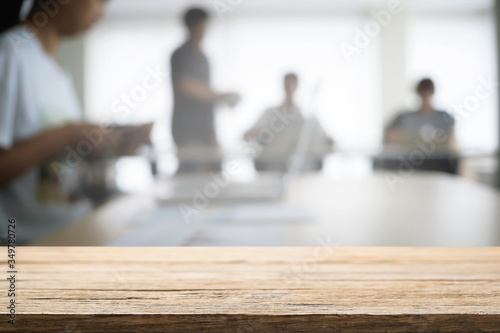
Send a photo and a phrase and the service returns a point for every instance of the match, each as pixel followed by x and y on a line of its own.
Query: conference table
pixel 383 209
pixel 327 286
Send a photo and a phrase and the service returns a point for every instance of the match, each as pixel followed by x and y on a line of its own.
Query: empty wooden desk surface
pixel 256 290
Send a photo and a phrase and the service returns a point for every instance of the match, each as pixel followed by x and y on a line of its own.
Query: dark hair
pixel 426 85
pixel 9 16
pixel 291 76
pixel 195 16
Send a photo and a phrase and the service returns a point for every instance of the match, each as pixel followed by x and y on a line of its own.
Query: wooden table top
pixel 320 289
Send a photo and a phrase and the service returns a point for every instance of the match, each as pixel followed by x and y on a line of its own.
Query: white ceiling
pixel 141 8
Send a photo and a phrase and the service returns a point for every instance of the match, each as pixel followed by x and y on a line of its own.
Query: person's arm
pixel 453 144
pixel 22 157
pixel 253 132
pixel 392 136
pixel 186 82
pixel 393 132
pixel 200 91
pixel 321 138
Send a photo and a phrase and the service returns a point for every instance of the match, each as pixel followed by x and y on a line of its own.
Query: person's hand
pixel 231 99
pixel 136 138
pixel 251 134
pixel 99 137
pixel 76 132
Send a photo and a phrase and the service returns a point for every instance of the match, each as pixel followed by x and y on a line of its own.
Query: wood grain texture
pixel 256 290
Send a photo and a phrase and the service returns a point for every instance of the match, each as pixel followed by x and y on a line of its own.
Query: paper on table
pixel 259 213
pixel 239 235
pixel 158 234
pixel 167 226
pixel 236 213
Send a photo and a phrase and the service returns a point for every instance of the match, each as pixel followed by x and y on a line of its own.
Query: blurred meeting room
pixel 283 123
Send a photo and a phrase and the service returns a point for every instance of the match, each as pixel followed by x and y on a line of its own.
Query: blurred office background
pixel 251 44
pixel 255 42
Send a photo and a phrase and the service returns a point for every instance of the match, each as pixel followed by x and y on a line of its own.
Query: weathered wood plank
pixel 256 290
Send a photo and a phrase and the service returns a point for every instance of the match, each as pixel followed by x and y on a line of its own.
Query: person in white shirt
pixel 40 117
pixel 277 132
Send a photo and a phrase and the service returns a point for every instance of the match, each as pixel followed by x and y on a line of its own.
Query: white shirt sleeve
pixel 9 94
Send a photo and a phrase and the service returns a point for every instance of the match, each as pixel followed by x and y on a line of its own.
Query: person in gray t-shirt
pixel 425 126
pixel 193 127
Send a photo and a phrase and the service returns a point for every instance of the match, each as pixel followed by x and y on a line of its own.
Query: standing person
pixel 40 116
pixel 193 123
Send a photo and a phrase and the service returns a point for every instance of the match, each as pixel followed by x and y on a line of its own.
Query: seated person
pixel 41 120
pixel 427 130
pixel 278 131
pixel 46 147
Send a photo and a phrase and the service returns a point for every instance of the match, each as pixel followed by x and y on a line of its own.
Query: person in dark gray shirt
pixel 425 125
pixel 193 125
pixel 423 140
